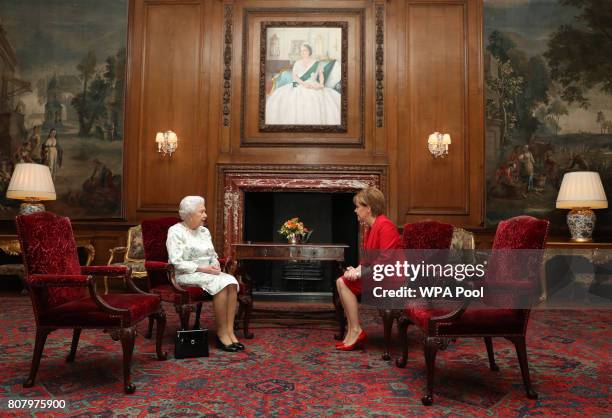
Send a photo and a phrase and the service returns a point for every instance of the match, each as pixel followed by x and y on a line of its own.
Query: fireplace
pixel 330 217
pixel 236 180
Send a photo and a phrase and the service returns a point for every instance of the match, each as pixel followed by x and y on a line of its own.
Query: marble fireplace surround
pixel 235 180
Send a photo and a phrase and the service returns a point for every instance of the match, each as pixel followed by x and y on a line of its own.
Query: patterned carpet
pixel 291 368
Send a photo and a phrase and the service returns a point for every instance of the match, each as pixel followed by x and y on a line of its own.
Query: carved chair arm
pixel 453 315
pixel 61 280
pixel 114 252
pixel 160 266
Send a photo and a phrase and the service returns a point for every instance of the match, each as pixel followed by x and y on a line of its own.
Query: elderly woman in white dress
pixel 305 101
pixel 191 251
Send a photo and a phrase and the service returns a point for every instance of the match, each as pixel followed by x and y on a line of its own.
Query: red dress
pixel 382 235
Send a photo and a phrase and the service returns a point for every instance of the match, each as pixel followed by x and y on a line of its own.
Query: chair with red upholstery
pixel 64 294
pixel 423 235
pixel 498 315
pixel 161 275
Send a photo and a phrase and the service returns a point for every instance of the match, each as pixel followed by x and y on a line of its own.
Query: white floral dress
pixel 190 248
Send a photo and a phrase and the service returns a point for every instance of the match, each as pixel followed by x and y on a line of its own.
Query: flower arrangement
pixel 293 230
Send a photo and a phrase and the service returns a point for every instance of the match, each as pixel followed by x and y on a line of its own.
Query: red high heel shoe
pixel 359 342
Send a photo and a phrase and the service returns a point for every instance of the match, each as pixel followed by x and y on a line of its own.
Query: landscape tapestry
pixel 62 100
pixel 548 76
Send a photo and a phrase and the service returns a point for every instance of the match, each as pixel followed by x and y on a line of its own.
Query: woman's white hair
pixel 189 205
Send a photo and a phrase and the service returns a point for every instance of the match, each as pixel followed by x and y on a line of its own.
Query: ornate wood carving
pixel 380 60
pixel 227 63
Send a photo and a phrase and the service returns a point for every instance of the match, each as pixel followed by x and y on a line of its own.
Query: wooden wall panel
pixel 170 62
pixel 436 96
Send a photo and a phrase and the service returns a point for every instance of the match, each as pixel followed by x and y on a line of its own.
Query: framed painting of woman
pixel 297 87
pixel 303 77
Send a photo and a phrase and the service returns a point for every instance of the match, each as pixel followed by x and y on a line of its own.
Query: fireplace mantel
pixel 235 180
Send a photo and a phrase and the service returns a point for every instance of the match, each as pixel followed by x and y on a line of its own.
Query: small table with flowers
pixel 270 251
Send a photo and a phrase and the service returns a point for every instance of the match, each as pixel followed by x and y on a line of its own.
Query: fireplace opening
pixel 332 219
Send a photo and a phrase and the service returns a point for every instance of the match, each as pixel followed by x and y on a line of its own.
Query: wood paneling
pixel 170 61
pixel 437 93
pixel 185 61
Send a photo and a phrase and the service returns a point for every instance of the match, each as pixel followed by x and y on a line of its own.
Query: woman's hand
pixel 353 273
pixel 209 269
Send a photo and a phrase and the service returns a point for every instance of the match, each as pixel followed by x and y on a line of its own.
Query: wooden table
pixel 596 252
pixel 270 251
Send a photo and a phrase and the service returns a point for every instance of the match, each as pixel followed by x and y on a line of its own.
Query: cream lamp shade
pixel 582 189
pixel 31 183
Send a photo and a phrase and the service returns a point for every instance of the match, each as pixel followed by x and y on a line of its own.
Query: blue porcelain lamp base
pixel 581 223
pixel 29 207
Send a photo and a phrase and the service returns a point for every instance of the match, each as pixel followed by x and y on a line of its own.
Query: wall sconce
pixel 438 143
pixel 167 142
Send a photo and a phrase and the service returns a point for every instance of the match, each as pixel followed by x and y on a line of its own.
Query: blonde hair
pixel 371 196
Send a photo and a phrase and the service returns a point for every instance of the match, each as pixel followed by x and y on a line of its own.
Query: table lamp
pixel 581 191
pixel 31 183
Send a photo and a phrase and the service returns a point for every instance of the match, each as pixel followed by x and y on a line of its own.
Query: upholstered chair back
pixel 154 234
pixel 427 235
pixel 48 247
pixel 512 274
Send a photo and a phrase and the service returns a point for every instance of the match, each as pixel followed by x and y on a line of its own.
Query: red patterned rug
pixel 291 368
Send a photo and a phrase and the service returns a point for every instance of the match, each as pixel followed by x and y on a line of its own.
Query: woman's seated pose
pixel 381 235
pixel 191 251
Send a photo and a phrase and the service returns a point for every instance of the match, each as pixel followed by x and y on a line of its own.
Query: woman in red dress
pixel 381 235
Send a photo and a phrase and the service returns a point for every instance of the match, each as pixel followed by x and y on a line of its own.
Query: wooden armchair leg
pixel 521 353
pixel 73 347
pixel 402 325
pixel 387 317
pixel 127 335
pixel 196 324
pixel 39 345
pixel 160 318
pixel 149 333
pixel 431 348
pixel 491 354
pixel 184 312
pixel 248 309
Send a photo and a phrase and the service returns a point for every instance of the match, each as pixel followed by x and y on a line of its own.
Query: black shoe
pixel 239 345
pixel 230 348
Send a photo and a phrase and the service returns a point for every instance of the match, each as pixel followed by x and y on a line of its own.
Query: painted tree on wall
pixel 579 54
pixel 558 115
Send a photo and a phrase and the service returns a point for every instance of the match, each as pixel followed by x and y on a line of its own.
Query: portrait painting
pixel 303 77
pixel 64 102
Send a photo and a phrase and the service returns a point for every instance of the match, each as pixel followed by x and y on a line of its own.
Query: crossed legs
pixel 224 305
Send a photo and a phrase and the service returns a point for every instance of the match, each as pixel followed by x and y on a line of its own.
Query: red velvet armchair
pixel 423 235
pixel 485 319
pixel 160 273
pixel 64 294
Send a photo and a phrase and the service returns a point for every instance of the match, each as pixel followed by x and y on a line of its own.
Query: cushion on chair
pixel 476 320
pixel 135 246
pixel 167 293
pixel 425 235
pixel 48 247
pixel 85 312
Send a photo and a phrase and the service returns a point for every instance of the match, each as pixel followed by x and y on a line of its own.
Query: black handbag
pixel 191 343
